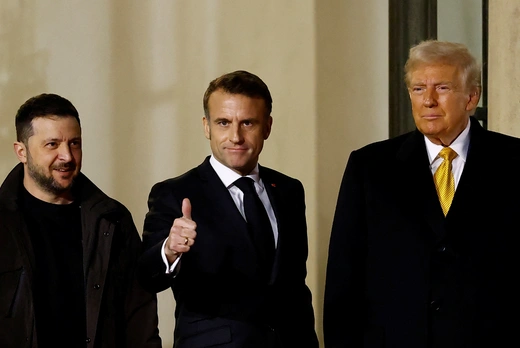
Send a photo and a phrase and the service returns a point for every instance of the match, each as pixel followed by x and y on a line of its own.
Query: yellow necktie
pixel 444 181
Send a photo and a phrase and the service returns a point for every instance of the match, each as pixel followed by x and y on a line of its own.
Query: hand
pixel 182 234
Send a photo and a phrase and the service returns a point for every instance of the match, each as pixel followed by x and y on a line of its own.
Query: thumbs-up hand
pixel 182 234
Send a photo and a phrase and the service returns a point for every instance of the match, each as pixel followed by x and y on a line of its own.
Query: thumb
pixel 186 208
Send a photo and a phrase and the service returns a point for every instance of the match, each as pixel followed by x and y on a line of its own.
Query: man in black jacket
pixel 68 252
pixel 235 285
pixel 424 245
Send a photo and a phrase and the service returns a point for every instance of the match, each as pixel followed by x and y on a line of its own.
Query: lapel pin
pixel 273 185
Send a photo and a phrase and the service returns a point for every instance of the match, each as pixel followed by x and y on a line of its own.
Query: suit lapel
pixel 218 197
pixel 276 201
pixel 469 189
pixel 417 182
pixel 220 210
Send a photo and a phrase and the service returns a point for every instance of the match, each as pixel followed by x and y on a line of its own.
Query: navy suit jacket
pixel 220 296
pixel 402 275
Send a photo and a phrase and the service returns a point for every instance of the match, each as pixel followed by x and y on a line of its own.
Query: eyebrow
pixel 60 139
pixel 435 84
pixel 215 119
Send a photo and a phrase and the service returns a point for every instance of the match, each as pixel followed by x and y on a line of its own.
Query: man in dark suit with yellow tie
pixel 229 236
pixel 424 247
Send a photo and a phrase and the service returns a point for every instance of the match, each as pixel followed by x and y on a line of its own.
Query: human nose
pixel 65 153
pixel 430 98
pixel 236 134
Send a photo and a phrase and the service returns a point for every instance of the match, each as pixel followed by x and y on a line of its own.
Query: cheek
pixel 44 161
pixel 453 102
pixel 214 143
pixel 416 105
pixel 257 141
pixel 452 108
pixel 416 112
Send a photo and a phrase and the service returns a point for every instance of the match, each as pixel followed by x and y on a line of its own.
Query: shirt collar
pixel 228 176
pixel 460 145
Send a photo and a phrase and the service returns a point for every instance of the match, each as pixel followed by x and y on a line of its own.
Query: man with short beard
pixel 67 251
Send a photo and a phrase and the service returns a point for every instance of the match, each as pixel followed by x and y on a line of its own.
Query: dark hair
pixel 239 82
pixel 43 105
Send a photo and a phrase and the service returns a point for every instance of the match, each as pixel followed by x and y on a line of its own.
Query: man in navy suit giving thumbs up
pixel 230 236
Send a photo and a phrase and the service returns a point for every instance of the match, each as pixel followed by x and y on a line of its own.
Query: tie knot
pixel 245 184
pixel 448 154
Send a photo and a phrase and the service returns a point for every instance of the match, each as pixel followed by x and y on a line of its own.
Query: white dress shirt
pixel 460 145
pixel 228 177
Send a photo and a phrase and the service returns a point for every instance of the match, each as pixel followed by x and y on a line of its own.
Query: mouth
pixel 431 117
pixel 236 149
pixel 65 169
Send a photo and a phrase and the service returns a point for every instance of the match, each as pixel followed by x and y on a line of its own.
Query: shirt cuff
pixel 170 269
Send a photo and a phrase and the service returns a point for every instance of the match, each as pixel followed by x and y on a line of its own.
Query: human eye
pixel 51 144
pixel 222 122
pixel 418 89
pixel 75 143
pixel 442 88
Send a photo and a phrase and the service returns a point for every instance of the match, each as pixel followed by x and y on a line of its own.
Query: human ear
pixel 207 131
pixel 21 151
pixel 474 98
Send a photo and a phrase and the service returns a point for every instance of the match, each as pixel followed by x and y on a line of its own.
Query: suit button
pixel 87 340
pixel 435 305
pixel 97 286
pixel 106 234
pixel 441 249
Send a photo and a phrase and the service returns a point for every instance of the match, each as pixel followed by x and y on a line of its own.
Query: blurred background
pixel 137 71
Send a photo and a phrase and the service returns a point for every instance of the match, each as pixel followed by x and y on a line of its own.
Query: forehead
pixel 221 101
pixel 434 73
pixel 57 127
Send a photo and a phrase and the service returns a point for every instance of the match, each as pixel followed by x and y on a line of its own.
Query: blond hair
pixel 433 52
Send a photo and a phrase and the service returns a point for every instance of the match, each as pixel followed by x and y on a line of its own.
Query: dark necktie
pixel 258 223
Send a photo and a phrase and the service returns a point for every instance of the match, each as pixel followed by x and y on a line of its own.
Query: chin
pixel 64 186
pixel 429 129
pixel 65 182
pixel 237 164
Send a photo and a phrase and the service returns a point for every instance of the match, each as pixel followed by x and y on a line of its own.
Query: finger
pixel 183 227
pixel 186 208
pixel 178 244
